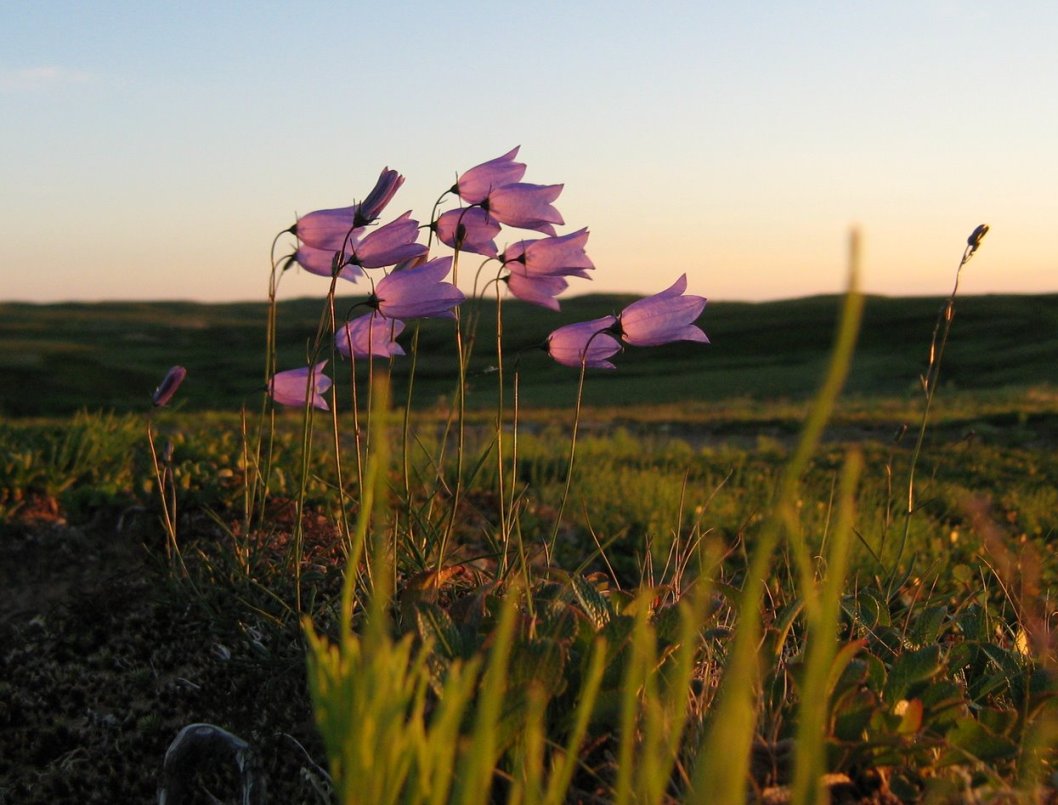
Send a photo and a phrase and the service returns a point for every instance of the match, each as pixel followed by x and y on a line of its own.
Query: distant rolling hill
pixel 58 359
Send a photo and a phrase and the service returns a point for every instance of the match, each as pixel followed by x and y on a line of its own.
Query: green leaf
pixel 927 626
pixel 871 612
pixel 944 702
pixel 541 662
pixel 972 622
pixel 969 740
pixel 910 669
pixel 434 624
pixel 595 606
pixel 852 713
pixel 997 720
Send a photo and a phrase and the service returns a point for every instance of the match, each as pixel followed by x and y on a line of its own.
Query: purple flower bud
pixel 371 334
pixel 561 256
pixel 389 181
pixel 389 244
pixel 526 206
pixel 468 229
pixel 321 261
pixel 538 290
pixel 589 342
pixel 418 292
pixel 294 386
pixel 475 184
pixel 165 391
pixel 663 318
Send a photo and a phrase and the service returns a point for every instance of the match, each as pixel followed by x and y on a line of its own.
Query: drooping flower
pixel 389 244
pixel 590 342
pixel 329 229
pixel 326 229
pixel 389 181
pixel 294 386
pixel 525 206
pixel 663 318
pixel 170 383
pixel 475 184
pixel 561 256
pixel 538 290
pixel 370 334
pixel 322 262
pixel 468 229
pixel 418 292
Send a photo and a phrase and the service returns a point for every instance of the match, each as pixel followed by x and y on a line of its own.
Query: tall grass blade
pixel 722 766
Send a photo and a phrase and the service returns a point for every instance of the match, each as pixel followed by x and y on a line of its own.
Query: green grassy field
pixel 58 359
pixel 724 607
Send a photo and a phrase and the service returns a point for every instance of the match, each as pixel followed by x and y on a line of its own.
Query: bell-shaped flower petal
pixel 468 229
pixel 663 318
pixel 419 292
pixel 370 334
pixel 590 342
pixel 170 383
pixel 561 256
pixel 525 206
pixel 368 210
pixel 540 290
pixel 389 244
pixel 294 386
pixel 326 229
pixel 475 184
pixel 322 262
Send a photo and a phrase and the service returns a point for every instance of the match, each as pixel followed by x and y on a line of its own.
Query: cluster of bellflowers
pixel 406 282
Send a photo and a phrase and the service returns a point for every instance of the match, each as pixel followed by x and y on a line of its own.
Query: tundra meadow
pixel 427 599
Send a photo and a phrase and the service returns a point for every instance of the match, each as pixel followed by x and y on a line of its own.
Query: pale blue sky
pixel 152 150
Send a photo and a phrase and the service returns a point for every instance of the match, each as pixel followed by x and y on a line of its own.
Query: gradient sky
pixel 152 151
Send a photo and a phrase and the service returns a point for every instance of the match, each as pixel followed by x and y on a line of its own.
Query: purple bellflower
pixel 328 229
pixel 389 244
pixel 321 261
pixel 165 391
pixel 370 334
pixel 591 342
pixel 290 387
pixel 418 292
pixel 538 290
pixel 468 229
pixel 475 184
pixel 561 256
pixel 663 318
pixel 525 206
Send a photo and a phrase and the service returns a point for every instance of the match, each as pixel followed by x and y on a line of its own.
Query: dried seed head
pixel 976 237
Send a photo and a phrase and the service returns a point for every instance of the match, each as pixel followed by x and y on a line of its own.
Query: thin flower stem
pixel 336 431
pixel 354 392
pixel 406 428
pixel 299 510
pixel 929 382
pixel 572 453
pixel 263 478
pixel 461 425
pixel 172 549
pixel 500 486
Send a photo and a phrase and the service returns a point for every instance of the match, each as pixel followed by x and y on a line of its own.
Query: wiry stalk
pixel 929 387
pixel 461 425
pixel 572 454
